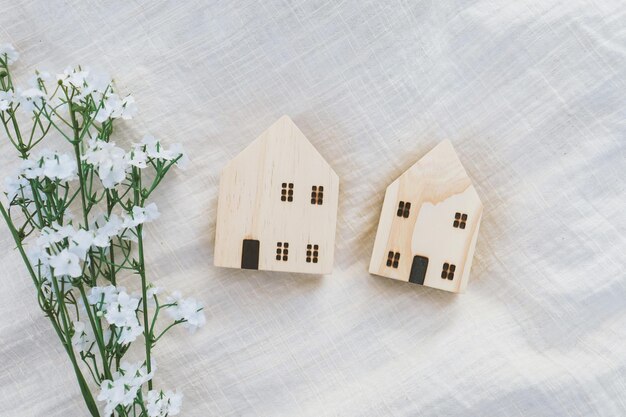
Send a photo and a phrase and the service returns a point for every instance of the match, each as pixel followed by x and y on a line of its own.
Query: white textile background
pixel 531 93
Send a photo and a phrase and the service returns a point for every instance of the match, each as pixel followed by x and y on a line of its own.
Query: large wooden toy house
pixel 277 208
pixel 429 224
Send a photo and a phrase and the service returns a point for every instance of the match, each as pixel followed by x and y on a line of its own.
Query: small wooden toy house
pixel 277 207
pixel 429 224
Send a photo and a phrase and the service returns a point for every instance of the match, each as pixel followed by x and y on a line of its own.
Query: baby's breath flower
pixel 80 242
pixel 106 227
pixel 30 99
pixel 72 77
pixel 65 263
pixel 83 337
pixel 8 54
pixel 189 310
pixel 123 388
pixel 115 107
pixel 59 247
pixel 128 334
pixel 60 166
pixel 163 404
pixel 123 311
pixel 54 233
pixel 52 165
pixel 31 169
pixel 154 149
pixel 6 100
pixel 137 158
pixel 177 151
pixel 102 297
pixel 109 160
pixel 140 215
pixel 40 260
pixel 97 83
pixel 38 77
pixel 17 186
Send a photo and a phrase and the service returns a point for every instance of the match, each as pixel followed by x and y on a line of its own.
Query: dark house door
pixel 250 254
pixel 418 269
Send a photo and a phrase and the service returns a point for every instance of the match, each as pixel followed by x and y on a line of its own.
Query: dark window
pixel 282 251
pixel 286 193
pixel 447 271
pixel 312 253
pixel 317 195
pixel 393 259
pixel 403 209
pixel 460 220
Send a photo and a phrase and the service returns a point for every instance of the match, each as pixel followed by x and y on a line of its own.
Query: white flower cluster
pixel 86 82
pixel 123 388
pixel 18 186
pixel 28 99
pixel 163 404
pixel 48 164
pixel 109 160
pixel 115 107
pixel 84 338
pixel 155 150
pixel 8 53
pixel 6 99
pixel 188 310
pixel 113 163
pixel 98 85
pixel 50 250
pixel 119 309
pixel 65 250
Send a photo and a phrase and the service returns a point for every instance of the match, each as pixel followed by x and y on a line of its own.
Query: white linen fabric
pixel 532 95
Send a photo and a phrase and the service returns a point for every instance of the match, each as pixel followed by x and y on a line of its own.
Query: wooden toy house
pixel 277 207
pixel 429 224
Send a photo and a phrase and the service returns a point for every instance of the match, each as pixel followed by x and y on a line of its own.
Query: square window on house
pixel 286 192
pixel 404 209
pixel 282 251
pixel 312 253
pixel 447 272
pixel 393 259
pixel 317 195
pixel 460 220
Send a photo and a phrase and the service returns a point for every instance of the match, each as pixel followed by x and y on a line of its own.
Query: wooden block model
pixel 429 224
pixel 277 207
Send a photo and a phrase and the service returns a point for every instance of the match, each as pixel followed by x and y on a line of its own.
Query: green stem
pixel 97 327
pixel 144 292
pixel 84 388
pixel 141 269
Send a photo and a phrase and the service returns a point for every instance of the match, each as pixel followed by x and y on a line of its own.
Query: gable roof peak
pixel 441 162
pixel 280 134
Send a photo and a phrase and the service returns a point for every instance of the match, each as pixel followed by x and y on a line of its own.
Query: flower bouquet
pixel 79 264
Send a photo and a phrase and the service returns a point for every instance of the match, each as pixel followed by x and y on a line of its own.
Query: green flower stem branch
pixel 77 265
pixel 46 307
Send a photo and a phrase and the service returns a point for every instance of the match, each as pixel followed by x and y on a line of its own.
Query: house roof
pixel 441 169
pixel 284 129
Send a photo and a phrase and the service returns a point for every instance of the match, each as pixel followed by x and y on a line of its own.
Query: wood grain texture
pixel 280 192
pixel 431 211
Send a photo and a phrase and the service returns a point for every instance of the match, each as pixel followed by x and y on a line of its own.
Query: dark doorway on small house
pixel 250 254
pixel 418 269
